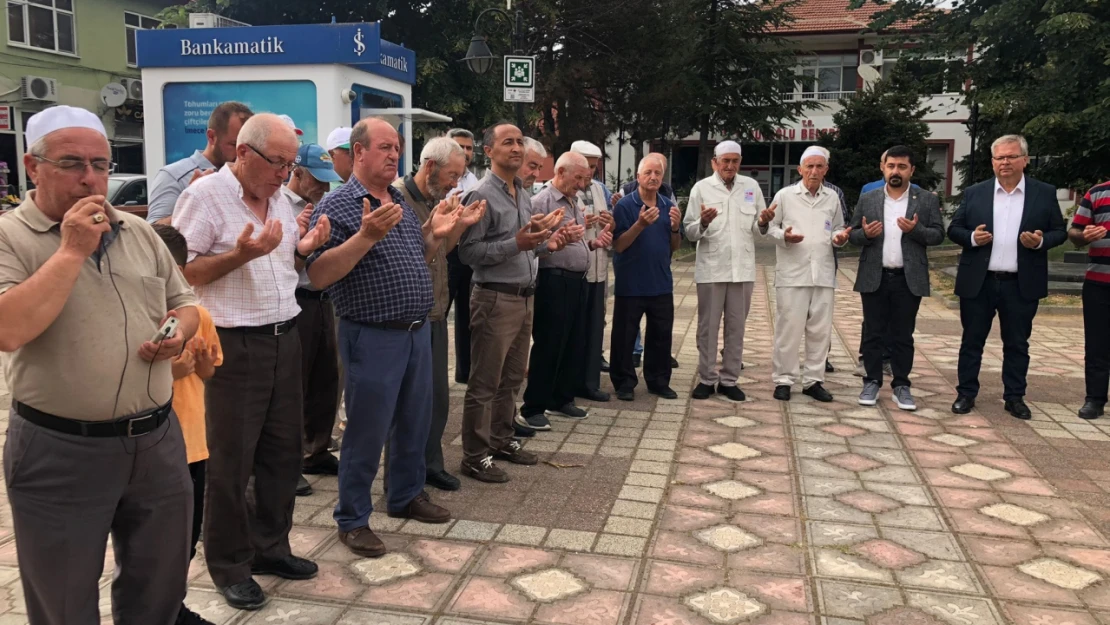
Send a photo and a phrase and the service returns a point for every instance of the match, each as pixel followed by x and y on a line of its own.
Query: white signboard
pixel 520 79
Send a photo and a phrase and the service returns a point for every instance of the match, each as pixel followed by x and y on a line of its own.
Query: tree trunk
pixel 703 147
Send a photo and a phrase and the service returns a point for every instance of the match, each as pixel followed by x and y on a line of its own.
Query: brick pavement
pixel 763 512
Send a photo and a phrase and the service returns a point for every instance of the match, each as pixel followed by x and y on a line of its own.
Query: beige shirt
pixel 73 369
pixel 816 216
pixel 592 202
pixel 726 249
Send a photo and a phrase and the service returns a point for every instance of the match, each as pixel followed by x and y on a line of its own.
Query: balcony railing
pixel 824 96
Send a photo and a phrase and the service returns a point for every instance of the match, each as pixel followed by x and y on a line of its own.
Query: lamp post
pixel 479 58
pixel 973 128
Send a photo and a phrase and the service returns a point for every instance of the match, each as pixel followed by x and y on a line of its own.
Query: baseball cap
pixel 339 138
pixel 318 163
pixel 292 124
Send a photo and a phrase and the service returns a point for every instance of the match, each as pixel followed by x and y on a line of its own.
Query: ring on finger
pixel 98 218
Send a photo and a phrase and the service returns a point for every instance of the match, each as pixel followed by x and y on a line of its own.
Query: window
pixel 829 77
pixel 135 22
pixel 43 24
pixel 937 158
pixel 936 75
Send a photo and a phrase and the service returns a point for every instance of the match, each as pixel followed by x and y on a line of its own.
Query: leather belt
pixel 271 329
pixel 508 289
pixel 1002 275
pixel 564 273
pixel 131 427
pixel 898 271
pixel 310 294
pixel 407 326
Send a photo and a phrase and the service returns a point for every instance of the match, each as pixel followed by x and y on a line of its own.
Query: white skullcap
pixel 727 147
pixel 60 118
pixel 815 150
pixel 585 148
pixel 293 125
pixel 339 138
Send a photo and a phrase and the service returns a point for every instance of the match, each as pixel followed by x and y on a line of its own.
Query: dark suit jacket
pixel 1041 212
pixel 928 231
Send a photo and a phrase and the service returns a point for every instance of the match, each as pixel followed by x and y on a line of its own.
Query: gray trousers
pixel 731 300
pixel 441 397
pixel 68 493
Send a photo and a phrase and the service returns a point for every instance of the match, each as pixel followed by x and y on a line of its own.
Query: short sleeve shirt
pixel 644 268
pixel 188 393
pixel 74 367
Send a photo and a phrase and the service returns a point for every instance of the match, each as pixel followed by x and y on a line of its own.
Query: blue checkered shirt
pixel 390 283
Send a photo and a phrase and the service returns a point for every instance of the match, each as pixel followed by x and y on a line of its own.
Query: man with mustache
pixel 893 226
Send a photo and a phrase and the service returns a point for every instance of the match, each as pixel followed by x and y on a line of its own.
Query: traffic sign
pixel 520 79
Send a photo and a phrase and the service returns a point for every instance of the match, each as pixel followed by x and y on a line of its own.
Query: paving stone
pixel 521 534
pixel 1015 515
pixel 979 472
pixel 620 545
pixel 1060 573
pixel 571 540
pixel 629 526
pixel 473 530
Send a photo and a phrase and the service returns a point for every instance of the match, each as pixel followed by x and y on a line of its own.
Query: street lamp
pixel 479 58
pixel 973 128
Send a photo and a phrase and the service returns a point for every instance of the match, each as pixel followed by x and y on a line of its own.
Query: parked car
pixel 128 192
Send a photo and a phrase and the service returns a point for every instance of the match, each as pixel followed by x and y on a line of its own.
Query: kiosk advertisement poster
pixel 188 105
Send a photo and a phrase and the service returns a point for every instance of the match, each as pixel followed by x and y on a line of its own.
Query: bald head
pixel 263 128
pixel 265 151
pixel 376 150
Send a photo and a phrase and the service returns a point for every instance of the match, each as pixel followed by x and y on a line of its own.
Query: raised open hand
pixel 790 237
pixel 266 241
pixel 377 223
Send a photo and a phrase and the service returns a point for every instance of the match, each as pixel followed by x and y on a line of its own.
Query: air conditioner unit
pixel 134 88
pixel 39 88
pixel 872 58
pixel 211 20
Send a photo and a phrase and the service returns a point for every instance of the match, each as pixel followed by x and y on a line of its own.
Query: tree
pixel 1041 68
pixel 886 114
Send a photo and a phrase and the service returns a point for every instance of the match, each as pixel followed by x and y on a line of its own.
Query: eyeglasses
pixel 278 165
pixel 1006 159
pixel 73 165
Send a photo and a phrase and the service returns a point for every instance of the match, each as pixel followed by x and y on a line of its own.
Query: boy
pixel 197 363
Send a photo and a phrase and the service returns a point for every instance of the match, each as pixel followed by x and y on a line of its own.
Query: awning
pixel 397 116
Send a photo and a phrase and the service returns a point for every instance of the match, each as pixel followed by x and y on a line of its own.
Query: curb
pixel 951 304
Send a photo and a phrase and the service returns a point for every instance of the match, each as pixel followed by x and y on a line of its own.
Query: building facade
pixel 65 52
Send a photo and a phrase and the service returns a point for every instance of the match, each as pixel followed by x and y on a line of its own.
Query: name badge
pixel 749 196
pixel 828 226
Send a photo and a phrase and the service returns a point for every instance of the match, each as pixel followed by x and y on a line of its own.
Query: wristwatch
pixel 297 254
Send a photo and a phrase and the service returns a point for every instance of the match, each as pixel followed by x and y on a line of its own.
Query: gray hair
pixel 571 159
pixel 531 145
pixel 38 148
pixel 649 157
pixel 440 151
pixel 460 132
pixel 257 130
pixel 1018 139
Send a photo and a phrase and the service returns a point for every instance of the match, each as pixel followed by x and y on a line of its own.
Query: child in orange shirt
pixel 197 363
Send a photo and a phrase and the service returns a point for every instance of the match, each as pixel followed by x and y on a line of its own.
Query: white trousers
pixel 802 310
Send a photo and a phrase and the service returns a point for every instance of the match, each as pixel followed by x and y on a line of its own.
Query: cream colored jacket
pixel 726 249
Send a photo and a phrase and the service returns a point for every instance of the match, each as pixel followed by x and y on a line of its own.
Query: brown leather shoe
pixel 422 509
pixel 514 453
pixel 363 542
pixel 485 471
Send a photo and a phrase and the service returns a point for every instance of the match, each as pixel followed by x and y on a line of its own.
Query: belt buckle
pixel 131 426
pixel 413 325
pixel 278 328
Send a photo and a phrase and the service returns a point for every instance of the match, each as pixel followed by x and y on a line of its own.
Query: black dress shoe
pixel 674 362
pixel 782 392
pixel 732 392
pixel 637 360
pixel 604 366
pixel 702 391
pixel 628 395
pixel 185 616
pixel 289 567
pixel 828 367
pixel 442 480
pixel 1092 410
pixel 324 465
pixel 246 595
pixel 666 392
pixel 1017 408
pixel 304 489
pixel 963 404
pixel 594 395
pixel 818 392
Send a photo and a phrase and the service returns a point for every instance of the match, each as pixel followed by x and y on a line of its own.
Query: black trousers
pixel 1096 305
pixel 319 375
pixel 441 398
pixel 458 293
pixel 196 473
pixel 889 318
pixel 1015 320
pixel 590 367
pixel 627 313
pixel 558 341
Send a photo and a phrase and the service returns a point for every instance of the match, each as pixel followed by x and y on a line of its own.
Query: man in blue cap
pixel 311 178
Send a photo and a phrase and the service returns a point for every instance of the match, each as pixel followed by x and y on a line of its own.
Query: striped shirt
pixel 1094 210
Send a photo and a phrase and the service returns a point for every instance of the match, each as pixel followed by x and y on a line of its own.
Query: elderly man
pixel 721 218
pixel 458 273
pixel 375 269
pixel 1088 227
pixel 593 197
pixel 339 149
pixel 644 243
pixel 311 179
pixel 502 249
pixel 442 163
pixel 806 222
pixel 559 323
pixel 223 127
pixel 1006 227
pixel 534 155
pixel 254 401
pixel 893 272
pixel 93 448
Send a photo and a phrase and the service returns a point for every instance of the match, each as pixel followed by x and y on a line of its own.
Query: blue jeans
pixel 389 377
pixel 638 347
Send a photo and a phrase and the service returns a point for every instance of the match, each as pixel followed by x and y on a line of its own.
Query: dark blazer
pixel 928 231
pixel 1041 212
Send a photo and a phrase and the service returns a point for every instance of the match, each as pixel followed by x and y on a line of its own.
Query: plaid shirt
pixel 391 282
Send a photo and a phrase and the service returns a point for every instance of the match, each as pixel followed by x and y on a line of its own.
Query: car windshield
pixel 114 185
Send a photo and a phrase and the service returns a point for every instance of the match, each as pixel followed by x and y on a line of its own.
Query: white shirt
pixel 816 216
pixel 1008 208
pixel 298 205
pixel 726 249
pixel 892 234
pixel 211 214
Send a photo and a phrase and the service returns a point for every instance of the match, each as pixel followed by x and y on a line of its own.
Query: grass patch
pixel 945 285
